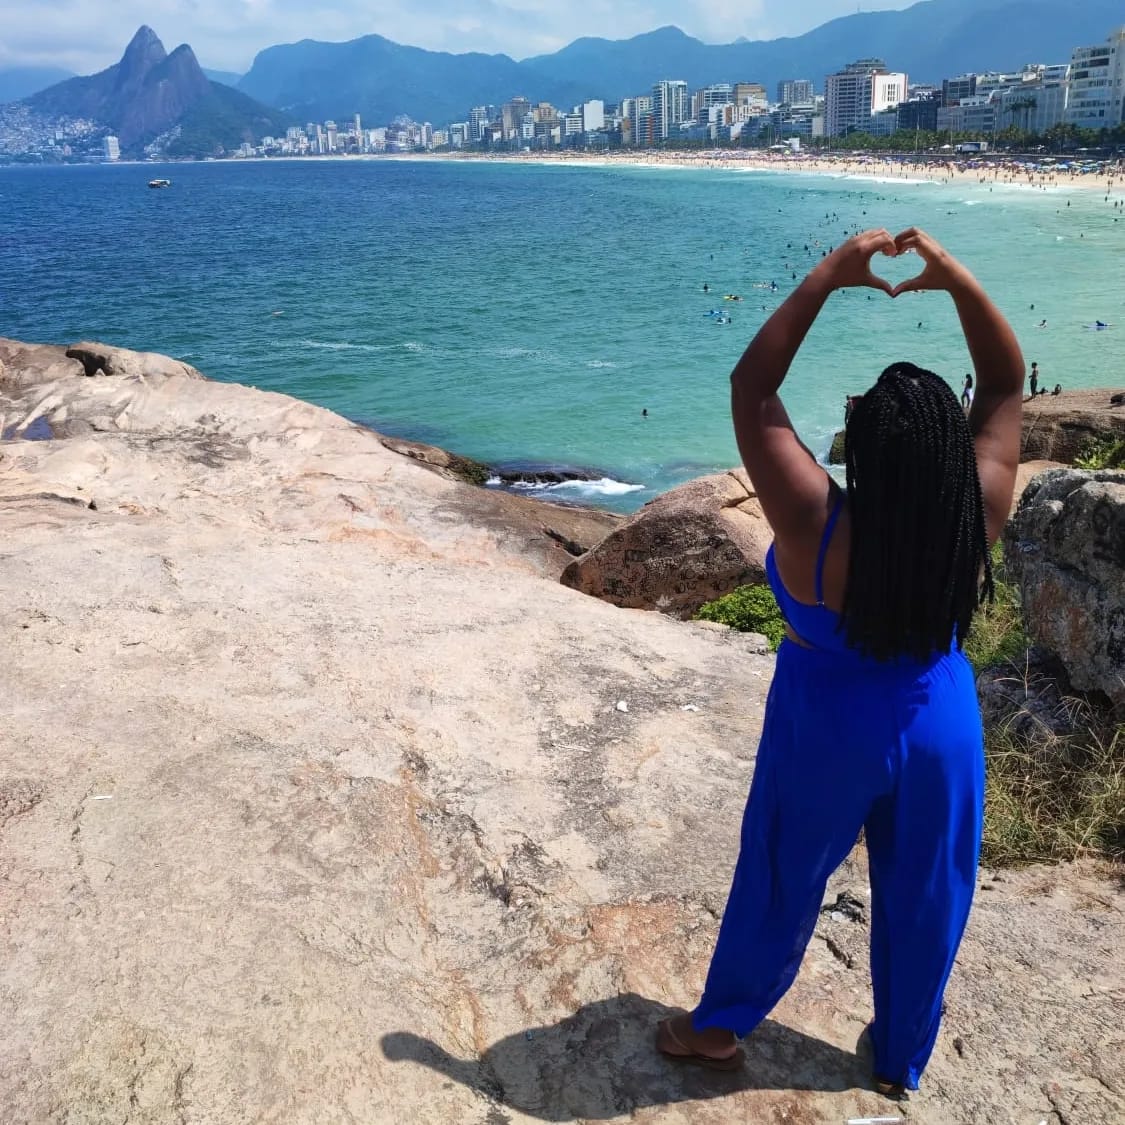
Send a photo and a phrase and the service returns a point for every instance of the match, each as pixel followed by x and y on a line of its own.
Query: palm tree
pixel 1027 104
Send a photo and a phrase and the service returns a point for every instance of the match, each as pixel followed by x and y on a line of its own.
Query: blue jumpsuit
pixel 848 743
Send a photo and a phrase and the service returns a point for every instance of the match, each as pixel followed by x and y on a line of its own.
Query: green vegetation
pixel 222 120
pixel 470 471
pixel 749 609
pixel 1108 453
pixel 997 635
pixel 1052 797
pixel 1048 796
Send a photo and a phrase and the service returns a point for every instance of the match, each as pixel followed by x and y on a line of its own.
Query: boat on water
pixel 159 183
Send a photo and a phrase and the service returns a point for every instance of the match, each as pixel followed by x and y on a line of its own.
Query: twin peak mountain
pixel 150 92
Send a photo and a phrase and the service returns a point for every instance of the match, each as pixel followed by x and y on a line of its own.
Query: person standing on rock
pixel 872 721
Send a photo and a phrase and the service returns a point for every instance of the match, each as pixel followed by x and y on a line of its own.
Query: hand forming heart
pixel 850 264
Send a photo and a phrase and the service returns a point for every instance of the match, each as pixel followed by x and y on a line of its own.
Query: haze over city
pixel 86 35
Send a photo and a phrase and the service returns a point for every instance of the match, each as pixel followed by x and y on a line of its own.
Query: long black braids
pixel 918 539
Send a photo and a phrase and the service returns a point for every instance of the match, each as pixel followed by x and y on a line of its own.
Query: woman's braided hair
pixel 918 540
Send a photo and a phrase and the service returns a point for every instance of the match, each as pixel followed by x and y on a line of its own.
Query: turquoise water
pixel 520 312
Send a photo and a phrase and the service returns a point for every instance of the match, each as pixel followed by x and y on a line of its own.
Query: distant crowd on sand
pixel 1041 173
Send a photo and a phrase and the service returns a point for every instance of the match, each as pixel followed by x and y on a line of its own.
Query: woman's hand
pixel 942 270
pixel 849 265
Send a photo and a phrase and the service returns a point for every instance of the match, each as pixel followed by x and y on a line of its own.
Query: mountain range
pixel 931 40
pixel 150 92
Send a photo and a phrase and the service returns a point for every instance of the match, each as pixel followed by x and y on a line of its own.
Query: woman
pixel 872 720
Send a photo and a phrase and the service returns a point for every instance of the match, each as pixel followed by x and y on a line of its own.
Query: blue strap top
pixel 816 625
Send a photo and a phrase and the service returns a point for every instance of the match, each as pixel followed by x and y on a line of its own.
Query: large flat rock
pixel 317 805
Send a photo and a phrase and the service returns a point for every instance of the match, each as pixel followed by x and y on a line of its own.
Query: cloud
pixel 87 35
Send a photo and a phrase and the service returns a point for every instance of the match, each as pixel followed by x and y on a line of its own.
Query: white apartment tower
pixel 1097 84
pixel 593 116
pixel 861 89
pixel 669 108
pixel 111 148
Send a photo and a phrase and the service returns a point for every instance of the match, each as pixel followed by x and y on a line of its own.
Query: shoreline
pixel 898 168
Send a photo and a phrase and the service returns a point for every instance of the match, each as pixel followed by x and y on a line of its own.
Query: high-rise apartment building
pixel 111 148
pixel 1097 84
pixel 669 108
pixel 512 114
pixel 593 116
pixel 954 89
pixel 750 93
pixel 861 89
pixel 479 118
pixel 718 93
pixel 795 91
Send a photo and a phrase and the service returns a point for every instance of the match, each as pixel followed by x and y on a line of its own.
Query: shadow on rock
pixel 601 1063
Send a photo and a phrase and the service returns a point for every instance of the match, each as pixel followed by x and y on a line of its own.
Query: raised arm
pixel 791 486
pixel 995 415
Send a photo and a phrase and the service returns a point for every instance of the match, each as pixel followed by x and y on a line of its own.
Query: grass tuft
pixel 1051 797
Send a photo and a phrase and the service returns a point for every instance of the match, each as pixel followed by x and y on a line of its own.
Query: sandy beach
pixel 1110 181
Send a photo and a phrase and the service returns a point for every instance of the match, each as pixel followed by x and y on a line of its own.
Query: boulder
pixel 1062 427
pixel 1031 700
pixel 104 359
pixel 452 466
pixel 1066 547
pixel 836 454
pixel 689 546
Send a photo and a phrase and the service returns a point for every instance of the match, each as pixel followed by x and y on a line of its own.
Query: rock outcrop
pixel 1062 427
pixel 104 359
pixel 1066 546
pixel 317 805
pixel 682 549
pixel 1055 427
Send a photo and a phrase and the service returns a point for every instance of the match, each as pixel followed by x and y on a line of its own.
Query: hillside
pixel 380 79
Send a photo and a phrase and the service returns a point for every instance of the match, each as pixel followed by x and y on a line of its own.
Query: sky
pixel 87 35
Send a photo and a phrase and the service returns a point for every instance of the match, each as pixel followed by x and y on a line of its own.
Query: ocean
pixel 527 314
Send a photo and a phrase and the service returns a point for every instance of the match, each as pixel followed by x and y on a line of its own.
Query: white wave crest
pixel 341 346
pixel 605 486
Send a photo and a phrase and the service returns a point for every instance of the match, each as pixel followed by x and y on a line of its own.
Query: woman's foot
pixel 714 1047
pixel 896 1091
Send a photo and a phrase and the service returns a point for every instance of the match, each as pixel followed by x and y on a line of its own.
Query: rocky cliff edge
pixel 319 803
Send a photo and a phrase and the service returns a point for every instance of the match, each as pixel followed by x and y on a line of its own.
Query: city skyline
pixel 84 36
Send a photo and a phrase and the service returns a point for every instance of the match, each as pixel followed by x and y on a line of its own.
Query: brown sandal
pixel 685 1054
pixel 896 1091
